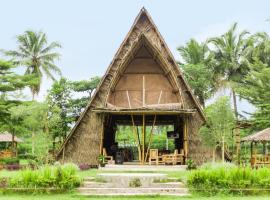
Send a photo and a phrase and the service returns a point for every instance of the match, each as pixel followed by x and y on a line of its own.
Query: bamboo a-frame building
pixel 143 86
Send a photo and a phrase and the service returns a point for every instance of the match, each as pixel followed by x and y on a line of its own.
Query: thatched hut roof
pixel 7 137
pixel 260 136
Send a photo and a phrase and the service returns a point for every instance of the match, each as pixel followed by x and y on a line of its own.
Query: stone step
pixel 91 184
pixel 90 178
pixel 124 179
pixel 134 191
pixel 170 185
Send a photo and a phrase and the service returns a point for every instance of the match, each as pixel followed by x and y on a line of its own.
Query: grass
pixel 74 196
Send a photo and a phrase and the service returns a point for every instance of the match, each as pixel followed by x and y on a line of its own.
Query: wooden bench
pixel 260 161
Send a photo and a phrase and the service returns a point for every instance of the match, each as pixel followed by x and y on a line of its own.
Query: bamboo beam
pixel 136 135
pixel 143 90
pixel 129 104
pixel 150 138
pixel 159 98
pixel 143 139
pixel 101 138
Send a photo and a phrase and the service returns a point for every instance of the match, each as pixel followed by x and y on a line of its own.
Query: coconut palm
pixel 233 53
pixel 197 68
pixel 36 55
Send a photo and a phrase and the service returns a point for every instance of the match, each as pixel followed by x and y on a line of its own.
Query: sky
pixel 90 32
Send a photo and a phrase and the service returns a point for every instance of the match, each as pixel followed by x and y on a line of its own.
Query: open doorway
pixel 130 139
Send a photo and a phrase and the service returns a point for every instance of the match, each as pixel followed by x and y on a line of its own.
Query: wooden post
pixel 185 138
pixel 136 135
pixel 143 139
pixel 143 90
pixel 150 138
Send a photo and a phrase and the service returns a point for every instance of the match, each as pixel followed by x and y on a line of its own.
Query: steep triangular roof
pixel 137 33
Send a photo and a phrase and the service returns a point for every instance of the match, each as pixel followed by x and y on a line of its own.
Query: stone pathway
pixel 112 184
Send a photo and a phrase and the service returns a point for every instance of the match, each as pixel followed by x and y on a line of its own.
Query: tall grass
pixel 231 179
pixel 55 177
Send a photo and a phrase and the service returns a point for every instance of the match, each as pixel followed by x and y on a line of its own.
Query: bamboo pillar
pixel 185 138
pixel 143 139
pixel 136 135
pixel 150 137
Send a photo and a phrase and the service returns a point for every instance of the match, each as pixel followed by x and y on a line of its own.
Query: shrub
pixel 229 180
pixel 10 161
pixel 55 177
pixel 136 182
pixel 191 165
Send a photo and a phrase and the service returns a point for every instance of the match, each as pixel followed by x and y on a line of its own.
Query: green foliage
pixel 256 89
pixel 83 86
pixel 197 68
pixel 220 122
pixel 59 102
pixel 191 164
pixel 36 55
pixel 58 177
pixel 136 182
pixel 10 83
pixel 229 180
pixel 9 161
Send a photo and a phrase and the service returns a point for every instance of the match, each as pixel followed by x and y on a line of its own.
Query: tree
pixel 83 86
pixel 256 89
pixel 220 122
pixel 232 53
pixel 10 83
pixel 197 68
pixel 32 116
pixel 36 55
pixel 59 102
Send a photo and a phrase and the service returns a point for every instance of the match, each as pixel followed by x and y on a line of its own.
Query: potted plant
pixel 101 160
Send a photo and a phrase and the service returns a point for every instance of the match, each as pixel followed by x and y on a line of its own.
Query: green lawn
pixel 73 197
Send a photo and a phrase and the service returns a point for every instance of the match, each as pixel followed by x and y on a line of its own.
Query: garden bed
pixel 233 180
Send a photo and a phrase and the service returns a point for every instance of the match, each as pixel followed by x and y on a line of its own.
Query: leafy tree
pixel 32 116
pixel 197 68
pixel 59 102
pixel 83 86
pixel 256 89
pixel 36 55
pixel 220 122
pixel 10 83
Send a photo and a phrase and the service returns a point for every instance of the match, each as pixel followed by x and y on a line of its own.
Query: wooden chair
pixel 107 158
pixel 173 158
pixel 153 156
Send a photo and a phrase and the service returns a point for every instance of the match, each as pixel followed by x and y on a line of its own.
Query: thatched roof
pixel 7 137
pixel 260 136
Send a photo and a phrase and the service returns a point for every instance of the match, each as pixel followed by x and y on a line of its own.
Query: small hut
pixel 6 143
pixel 263 138
pixel 143 86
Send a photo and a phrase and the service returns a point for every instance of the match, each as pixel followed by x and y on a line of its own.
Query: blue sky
pixel 91 31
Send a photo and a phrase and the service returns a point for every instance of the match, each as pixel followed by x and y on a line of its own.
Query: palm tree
pixel 232 52
pixel 196 66
pixel 36 55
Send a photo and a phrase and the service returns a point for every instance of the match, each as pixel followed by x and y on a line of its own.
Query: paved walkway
pixel 154 168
